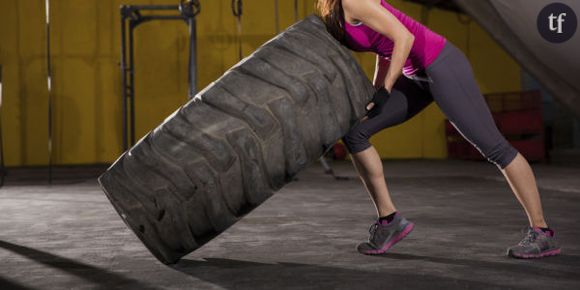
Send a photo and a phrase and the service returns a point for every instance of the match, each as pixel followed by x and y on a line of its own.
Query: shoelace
pixel 530 237
pixel 373 230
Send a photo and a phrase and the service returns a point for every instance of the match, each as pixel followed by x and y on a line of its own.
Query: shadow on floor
pixel 237 274
pixel 98 276
pixel 539 267
pixel 7 284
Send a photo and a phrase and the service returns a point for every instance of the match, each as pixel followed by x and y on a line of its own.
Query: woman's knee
pixel 356 141
pixel 500 154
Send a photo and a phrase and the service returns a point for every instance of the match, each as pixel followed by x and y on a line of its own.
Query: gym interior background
pixel 85 48
pixel 66 235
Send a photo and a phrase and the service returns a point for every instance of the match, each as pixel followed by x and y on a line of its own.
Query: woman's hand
pixel 375 106
pixel 371 104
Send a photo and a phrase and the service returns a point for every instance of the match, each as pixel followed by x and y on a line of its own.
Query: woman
pixel 414 67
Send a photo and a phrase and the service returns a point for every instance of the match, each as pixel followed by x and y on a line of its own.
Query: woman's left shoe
pixel 384 236
pixel 535 244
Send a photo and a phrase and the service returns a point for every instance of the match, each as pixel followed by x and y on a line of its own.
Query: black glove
pixel 379 99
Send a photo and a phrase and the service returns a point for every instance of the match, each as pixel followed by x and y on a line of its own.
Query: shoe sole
pixel 536 256
pixel 408 229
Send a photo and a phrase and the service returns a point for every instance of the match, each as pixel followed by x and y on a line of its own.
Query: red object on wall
pixel 520 122
pixel 518 116
pixel 533 149
pixel 339 151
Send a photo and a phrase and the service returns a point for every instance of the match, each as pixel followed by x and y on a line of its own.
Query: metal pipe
pixel 2 168
pixel 124 74
pixel 132 83
pixel 192 58
pixel 153 7
pixel 237 11
pixel 161 17
pixel 131 17
pixel 49 85
pixel 189 10
pixel 295 10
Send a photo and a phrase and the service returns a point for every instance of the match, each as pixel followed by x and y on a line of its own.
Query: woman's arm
pixel 381 68
pixel 375 16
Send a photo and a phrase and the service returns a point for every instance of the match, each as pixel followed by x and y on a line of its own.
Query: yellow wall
pixel 87 85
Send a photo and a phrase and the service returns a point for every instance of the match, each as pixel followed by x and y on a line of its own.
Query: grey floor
pixel 68 236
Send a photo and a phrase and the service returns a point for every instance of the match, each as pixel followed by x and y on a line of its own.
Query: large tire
pixel 238 141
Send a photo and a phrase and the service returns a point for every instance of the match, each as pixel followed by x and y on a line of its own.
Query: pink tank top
pixel 425 50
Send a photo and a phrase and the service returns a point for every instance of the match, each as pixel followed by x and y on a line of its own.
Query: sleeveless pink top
pixel 425 50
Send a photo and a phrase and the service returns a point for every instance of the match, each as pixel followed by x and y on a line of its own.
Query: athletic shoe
pixel 385 235
pixel 535 244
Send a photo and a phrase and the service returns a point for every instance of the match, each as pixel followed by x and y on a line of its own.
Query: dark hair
pixel 331 13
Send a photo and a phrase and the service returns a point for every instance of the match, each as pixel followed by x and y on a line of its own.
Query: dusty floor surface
pixel 68 236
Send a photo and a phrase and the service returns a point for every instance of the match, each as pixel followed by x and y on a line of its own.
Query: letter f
pixel 560 21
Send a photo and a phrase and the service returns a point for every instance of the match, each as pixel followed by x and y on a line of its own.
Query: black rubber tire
pixel 240 140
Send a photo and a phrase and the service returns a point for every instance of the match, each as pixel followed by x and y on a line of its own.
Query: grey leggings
pixel 450 82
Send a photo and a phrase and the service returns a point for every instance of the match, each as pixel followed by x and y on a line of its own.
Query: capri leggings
pixel 448 81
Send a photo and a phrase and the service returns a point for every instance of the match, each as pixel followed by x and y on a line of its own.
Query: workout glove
pixel 379 99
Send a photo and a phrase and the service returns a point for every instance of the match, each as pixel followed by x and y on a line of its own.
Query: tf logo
pixel 557 23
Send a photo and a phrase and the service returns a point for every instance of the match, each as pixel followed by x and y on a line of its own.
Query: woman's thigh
pixel 457 94
pixel 407 98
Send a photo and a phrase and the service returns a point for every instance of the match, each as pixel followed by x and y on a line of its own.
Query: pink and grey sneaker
pixel 535 244
pixel 385 235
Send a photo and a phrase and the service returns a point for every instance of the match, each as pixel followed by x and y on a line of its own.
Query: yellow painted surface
pixel 87 83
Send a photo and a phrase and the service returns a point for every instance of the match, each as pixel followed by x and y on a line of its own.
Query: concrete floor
pixel 69 237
